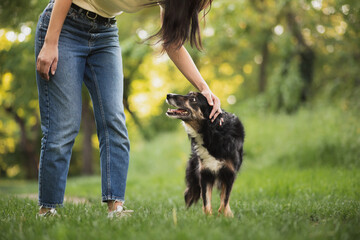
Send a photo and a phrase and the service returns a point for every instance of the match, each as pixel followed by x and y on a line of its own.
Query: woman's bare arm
pixel 187 67
pixel 48 56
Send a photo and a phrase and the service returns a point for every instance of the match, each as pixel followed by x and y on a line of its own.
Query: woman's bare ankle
pixel 112 205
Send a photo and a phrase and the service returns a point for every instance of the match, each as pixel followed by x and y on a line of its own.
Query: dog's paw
pixel 228 213
pixel 207 210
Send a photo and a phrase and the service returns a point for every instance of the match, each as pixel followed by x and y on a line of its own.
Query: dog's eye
pixel 192 99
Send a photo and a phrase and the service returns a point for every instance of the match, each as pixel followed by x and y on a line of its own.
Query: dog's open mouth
pixel 177 112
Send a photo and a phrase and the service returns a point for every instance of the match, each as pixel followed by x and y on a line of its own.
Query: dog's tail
pixel 192 195
pixel 193 190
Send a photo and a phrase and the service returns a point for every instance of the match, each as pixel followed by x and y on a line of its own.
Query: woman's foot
pixel 112 205
pixel 117 209
pixel 46 212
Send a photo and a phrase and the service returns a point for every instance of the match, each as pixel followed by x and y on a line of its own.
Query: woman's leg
pixel 104 79
pixel 60 110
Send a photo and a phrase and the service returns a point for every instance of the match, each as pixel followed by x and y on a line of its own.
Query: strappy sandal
pixel 50 213
pixel 120 212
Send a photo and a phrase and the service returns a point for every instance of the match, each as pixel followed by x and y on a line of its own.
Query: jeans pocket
pixel 43 23
pixel 44 19
pixel 42 28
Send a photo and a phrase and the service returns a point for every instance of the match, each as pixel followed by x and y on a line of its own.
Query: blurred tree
pixel 266 12
pixel 13 13
pixel 134 57
pixel 306 53
pixel 18 99
pixel 19 102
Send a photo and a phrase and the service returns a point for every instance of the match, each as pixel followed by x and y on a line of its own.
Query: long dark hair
pixel 181 22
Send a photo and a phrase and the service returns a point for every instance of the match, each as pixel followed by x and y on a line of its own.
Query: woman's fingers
pixel 47 60
pixel 209 98
pixel 54 66
pixel 44 70
pixel 213 101
pixel 216 108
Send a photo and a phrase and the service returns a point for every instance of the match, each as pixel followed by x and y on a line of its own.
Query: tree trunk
pixel 27 147
pixel 263 65
pixel 307 58
pixel 137 122
pixel 307 55
pixel 88 129
pixel 29 152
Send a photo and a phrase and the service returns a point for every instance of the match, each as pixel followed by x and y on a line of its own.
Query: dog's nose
pixel 170 95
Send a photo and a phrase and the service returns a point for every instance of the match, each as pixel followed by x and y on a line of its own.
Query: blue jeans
pixel 89 52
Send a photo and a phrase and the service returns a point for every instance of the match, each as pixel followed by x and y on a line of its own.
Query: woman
pixel 77 41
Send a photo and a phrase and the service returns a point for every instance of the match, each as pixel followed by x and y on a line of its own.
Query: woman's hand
pixel 48 57
pixel 47 60
pixel 215 102
pixel 186 65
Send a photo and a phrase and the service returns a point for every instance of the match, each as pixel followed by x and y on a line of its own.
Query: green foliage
pixel 15 12
pixel 285 88
pixel 313 137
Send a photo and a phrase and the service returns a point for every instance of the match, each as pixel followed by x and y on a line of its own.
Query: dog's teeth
pixel 181 112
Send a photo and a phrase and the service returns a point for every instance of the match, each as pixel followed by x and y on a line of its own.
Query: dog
pixel 216 150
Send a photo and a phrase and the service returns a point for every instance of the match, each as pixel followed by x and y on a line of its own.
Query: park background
pixel 289 69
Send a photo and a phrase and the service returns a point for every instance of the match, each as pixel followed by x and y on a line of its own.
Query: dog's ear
pixel 206 110
pixel 204 105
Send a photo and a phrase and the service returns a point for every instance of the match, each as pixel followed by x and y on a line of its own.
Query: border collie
pixel 216 150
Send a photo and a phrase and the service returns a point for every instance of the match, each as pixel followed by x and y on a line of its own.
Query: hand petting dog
pixel 213 101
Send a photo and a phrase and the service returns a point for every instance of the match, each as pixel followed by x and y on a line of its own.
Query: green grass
pixel 300 180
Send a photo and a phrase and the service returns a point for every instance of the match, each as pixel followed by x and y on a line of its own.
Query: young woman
pixel 77 41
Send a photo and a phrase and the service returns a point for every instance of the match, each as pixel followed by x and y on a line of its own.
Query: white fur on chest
pixel 207 160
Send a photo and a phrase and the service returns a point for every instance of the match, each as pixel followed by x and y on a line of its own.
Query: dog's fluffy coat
pixel 216 149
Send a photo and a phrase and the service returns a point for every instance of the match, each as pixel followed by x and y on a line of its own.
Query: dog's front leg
pixel 207 183
pixel 207 200
pixel 227 178
pixel 225 198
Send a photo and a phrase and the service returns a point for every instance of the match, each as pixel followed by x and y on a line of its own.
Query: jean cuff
pixel 50 205
pixel 113 198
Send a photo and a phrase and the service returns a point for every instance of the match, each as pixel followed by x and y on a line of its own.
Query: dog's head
pixel 193 106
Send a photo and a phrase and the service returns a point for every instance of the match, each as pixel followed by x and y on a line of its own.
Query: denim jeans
pixel 89 52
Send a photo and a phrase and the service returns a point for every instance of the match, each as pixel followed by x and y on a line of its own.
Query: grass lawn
pixel 300 180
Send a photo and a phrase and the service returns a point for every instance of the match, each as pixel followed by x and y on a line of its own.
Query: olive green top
pixel 111 8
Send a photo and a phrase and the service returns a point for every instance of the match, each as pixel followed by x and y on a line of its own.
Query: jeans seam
pixel 47 117
pixel 108 179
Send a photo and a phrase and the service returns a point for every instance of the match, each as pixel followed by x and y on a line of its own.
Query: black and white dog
pixel 216 149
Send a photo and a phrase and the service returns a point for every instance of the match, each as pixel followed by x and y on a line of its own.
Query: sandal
pixel 120 212
pixel 50 213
